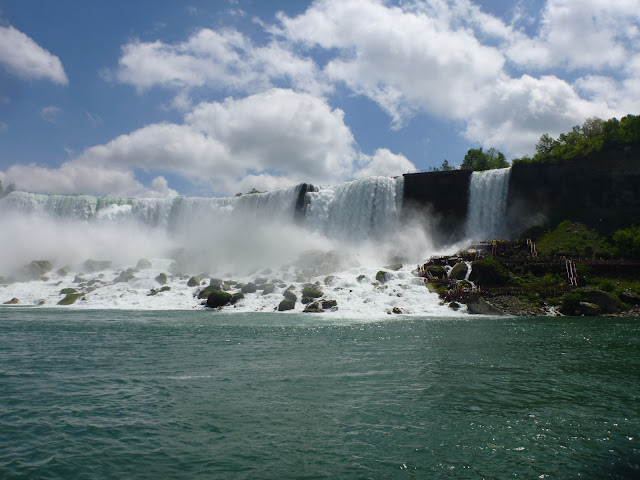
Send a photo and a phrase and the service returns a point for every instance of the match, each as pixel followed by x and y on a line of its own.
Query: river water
pixel 201 394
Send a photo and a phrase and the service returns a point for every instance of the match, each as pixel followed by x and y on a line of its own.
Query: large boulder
pixel 216 283
pixel 268 288
pixel 162 279
pixel 459 271
pixel 125 276
pixel 13 301
pixel 314 307
pixel 193 282
pixel 482 307
pixel 70 299
pixel 588 309
pixel 312 291
pixel 329 304
pixel 143 264
pixel 286 304
pixel 218 298
pixel 604 300
pixel 236 297
pixel 383 277
pixel 37 269
pixel 290 295
pixel 488 272
pixel 249 288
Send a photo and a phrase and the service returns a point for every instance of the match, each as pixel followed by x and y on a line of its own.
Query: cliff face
pixel 438 200
pixel 601 191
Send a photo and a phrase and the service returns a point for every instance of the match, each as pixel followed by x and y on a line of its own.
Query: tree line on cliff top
pixel 594 135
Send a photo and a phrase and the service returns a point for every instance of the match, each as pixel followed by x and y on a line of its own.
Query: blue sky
pixel 158 98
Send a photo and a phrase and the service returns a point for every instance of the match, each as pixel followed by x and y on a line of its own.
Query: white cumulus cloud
pixel 20 55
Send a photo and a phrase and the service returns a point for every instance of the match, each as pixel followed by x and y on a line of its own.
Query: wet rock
pixel 96 265
pixel 143 264
pixel 459 271
pixel 13 301
pixel 268 288
pixel 454 306
pixel 482 307
pixel 193 282
pixel 588 309
pixel 306 300
pixel 396 310
pixel 249 288
pixel 604 300
pixel 312 291
pixel 70 299
pixel 218 298
pixel 236 297
pixel 329 280
pixel 328 304
pixel 383 277
pixel 216 282
pixel 162 279
pixel 361 278
pixel 286 304
pixel 394 267
pixel 63 272
pixel 67 291
pixel 290 295
pixel 314 307
pixel 125 276
pixel 630 297
pixel 260 280
pixel 166 288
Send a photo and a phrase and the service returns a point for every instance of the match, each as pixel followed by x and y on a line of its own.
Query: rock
pixel 97 265
pixel 313 308
pixel 236 297
pixel 166 288
pixel 482 307
pixel 394 267
pixel 260 280
pixel 41 302
pixel 13 301
pixel 143 264
pixel 79 279
pixel 286 304
pixel 217 283
pixel 70 299
pixel 125 276
pixel 588 309
pixel 396 310
pixel 459 271
pixel 437 271
pixel 268 288
pixel 226 287
pixel 454 306
pixel 63 272
pixel 249 288
pixel 218 298
pixel 204 294
pixel 383 277
pixel 193 282
pixel 277 281
pixel 329 280
pixel 162 279
pixel 630 297
pixel 605 301
pixel 67 291
pixel 231 283
pixel 361 278
pixel 290 295
pixel 312 291
pixel 327 304
pixel 306 300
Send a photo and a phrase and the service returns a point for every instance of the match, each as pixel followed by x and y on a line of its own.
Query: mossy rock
pixel 143 264
pixel 286 304
pixel 383 277
pixel 328 304
pixel 193 282
pixel 97 265
pixel 236 297
pixel 290 295
pixel 329 280
pixel 268 288
pixel 67 291
pixel 204 293
pixel 162 279
pixel 312 291
pixel 13 301
pixel 437 271
pixel 70 299
pixel 459 271
pixel 249 288
pixel 218 298
pixel 306 300
pixel 231 283
pixel 314 307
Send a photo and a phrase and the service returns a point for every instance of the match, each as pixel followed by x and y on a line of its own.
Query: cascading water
pixel 487 204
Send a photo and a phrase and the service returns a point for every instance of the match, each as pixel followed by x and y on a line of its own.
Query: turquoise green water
pixel 112 394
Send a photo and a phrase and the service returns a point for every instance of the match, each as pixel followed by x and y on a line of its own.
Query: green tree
pixel 476 159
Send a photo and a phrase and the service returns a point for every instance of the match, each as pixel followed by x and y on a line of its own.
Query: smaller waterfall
pixel 487 204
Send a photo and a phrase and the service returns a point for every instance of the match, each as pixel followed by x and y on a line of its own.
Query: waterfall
pixel 487 204
pixel 357 210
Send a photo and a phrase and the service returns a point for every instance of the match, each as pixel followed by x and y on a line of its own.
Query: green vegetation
pixel 627 242
pixel 573 239
pixel 594 135
pixel 476 159
pixel 488 272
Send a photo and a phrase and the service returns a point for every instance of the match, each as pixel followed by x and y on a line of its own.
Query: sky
pixel 209 98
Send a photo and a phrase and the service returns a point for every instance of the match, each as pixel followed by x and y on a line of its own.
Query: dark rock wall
pixel 601 190
pixel 439 200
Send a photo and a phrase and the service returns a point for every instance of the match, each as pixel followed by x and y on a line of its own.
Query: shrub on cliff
pixel 573 239
pixel 488 272
pixel 627 242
